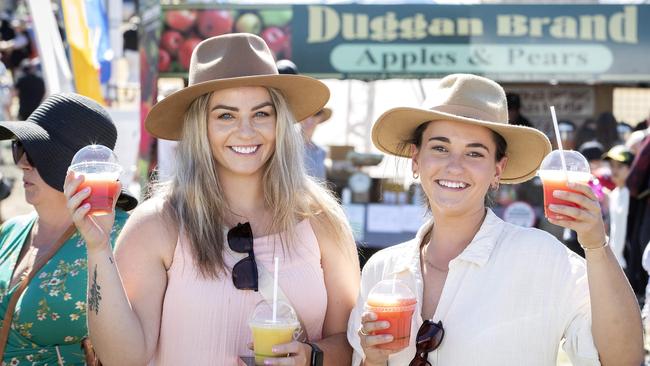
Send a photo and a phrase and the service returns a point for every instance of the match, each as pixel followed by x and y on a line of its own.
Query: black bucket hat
pixel 57 129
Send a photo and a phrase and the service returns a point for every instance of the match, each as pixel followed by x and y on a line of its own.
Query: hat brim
pixel 44 153
pixel 327 114
pixel 304 95
pixel 126 201
pixel 527 146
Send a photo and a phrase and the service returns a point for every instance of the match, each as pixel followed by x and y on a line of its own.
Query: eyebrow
pixel 446 140
pixel 235 109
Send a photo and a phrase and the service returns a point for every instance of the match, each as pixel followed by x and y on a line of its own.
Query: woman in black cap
pixel 42 257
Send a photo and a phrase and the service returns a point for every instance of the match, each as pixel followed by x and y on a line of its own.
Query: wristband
pixel 316 355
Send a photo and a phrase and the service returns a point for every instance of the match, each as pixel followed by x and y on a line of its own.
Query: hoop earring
pixel 416 175
pixel 495 186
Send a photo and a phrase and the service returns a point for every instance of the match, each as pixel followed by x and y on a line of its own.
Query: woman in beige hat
pixel 491 293
pixel 193 262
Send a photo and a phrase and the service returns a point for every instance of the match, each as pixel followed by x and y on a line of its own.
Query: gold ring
pixel 362 332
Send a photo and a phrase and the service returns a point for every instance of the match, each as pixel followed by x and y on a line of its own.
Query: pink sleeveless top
pixel 205 321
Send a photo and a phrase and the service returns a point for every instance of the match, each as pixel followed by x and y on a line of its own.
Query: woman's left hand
pixel 586 220
pixel 298 354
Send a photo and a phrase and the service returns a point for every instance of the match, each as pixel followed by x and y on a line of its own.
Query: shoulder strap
pixel 11 306
pixel 265 286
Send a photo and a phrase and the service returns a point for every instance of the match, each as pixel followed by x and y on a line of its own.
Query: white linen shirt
pixel 510 298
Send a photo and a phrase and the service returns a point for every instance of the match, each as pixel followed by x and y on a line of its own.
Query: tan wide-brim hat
pixel 326 114
pixel 468 99
pixel 230 61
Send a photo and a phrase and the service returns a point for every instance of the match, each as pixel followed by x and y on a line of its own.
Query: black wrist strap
pixel 316 355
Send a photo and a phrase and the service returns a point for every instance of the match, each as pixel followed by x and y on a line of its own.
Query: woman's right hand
pixel 96 230
pixel 369 342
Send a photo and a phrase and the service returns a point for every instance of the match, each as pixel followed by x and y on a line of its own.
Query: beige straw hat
pixel 469 99
pixel 229 61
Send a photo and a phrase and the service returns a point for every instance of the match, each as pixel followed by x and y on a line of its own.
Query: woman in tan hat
pixel 193 262
pixel 491 293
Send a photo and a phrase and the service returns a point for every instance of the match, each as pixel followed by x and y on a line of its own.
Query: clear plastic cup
pixel 393 301
pixel 101 170
pixel 268 332
pixel 554 178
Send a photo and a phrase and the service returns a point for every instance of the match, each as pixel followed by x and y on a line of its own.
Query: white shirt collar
pixel 478 251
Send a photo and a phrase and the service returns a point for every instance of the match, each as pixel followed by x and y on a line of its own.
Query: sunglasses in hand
pixel 429 338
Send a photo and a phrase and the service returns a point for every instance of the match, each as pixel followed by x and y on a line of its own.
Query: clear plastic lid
pixel 96 159
pixel 577 165
pixel 391 295
pixel 263 315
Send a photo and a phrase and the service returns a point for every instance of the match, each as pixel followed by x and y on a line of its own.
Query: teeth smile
pixel 245 149
pixel 451 184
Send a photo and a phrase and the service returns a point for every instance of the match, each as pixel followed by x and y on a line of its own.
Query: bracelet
pixel 605 245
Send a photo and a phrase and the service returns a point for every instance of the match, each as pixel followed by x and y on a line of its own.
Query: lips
pixel 452 184
pixel 245 150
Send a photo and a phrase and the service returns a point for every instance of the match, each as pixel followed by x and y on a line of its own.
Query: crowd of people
pixel 175 281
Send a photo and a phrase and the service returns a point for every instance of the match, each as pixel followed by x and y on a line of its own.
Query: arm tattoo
pixel 94 297
pixel 111 260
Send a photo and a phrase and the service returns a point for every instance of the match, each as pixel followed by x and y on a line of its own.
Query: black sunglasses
pixel 244 273
pixel 429 337
pixel 17 150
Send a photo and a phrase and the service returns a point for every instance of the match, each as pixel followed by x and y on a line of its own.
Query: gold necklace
pixel 435 267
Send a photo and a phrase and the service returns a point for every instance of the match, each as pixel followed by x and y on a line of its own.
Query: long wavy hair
pixel 196 200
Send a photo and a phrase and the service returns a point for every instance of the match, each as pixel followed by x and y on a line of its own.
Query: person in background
pixel 638 182
pixel 492 293
pixel 30 90
pixel 514 111
pixel 314 154
pixel 18 48
pixel 624 131
pixel 635 140
pixel 607 130
pixel 620 158
pixel 586 132
pixel 47 319
pixel 192 262
pixel 6 93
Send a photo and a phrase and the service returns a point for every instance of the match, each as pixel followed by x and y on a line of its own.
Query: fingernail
pixel 570 184
pixel 87 189
pixel 275 350
pixel 385 324
pixel 557 193
pixel 388 337
pixel 267 362
pixel 86 205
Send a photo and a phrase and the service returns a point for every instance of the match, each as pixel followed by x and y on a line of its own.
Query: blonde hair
pixel 197 202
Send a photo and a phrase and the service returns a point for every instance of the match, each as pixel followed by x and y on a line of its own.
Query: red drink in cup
pixel 103 191
pixel 554 177
pixel 393 302
pixel 98 164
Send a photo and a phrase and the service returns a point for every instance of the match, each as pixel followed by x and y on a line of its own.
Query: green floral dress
pixel 50 317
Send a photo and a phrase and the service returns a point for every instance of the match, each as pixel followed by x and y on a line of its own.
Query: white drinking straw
pixel 275 289
pixel 559 142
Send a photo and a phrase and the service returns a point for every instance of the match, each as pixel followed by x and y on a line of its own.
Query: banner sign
pixel 364 41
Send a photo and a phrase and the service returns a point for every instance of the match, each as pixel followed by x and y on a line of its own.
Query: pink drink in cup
pixel 98 164
pixel 394 302
pixel 554 178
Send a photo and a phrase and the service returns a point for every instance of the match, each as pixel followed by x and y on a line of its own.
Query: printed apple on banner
pixel 185 28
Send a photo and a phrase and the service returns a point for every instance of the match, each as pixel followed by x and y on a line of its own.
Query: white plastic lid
pixel 575 162
pixel 263 315
pixel 391 295
pixel 95 159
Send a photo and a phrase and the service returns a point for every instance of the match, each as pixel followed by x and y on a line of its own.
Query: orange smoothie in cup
pixel 396 310
pixel 556 180
pixel 103 189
